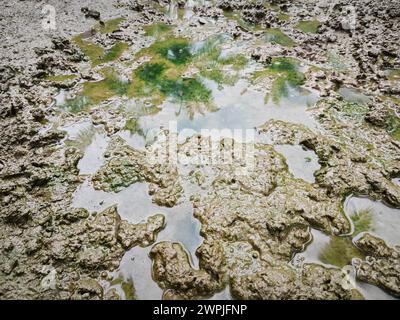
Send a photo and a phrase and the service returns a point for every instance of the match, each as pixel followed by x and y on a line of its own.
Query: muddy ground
pixel 85 108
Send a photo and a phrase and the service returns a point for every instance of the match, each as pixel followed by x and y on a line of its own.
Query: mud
pixel 88 210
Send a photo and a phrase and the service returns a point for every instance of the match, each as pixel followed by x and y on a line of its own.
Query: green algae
pixel 61 78
pixel 185 90
pixel 152 79
pixel 133 126
pixel 93 51
pixel 95 92
pixel 161 77
pixel 278 37
pixel 283 17
pixel 237 17
pixel 362 221
pixel 310 26
pixel 178 52
pixel 77 104
pixel 393 127
pixel 237 61
pixel 209 48
pixel 127 287
pixel 105 89
pixel 216 68
pixel 339 252
pixel 157 29
pixel 356 110
pixel 394 75
pixel 214 72
pixel 111 25
pixel 151 72
pixel 115 52
pixel 96 54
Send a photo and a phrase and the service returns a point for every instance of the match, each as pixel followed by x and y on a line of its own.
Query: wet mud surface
pixel 108 188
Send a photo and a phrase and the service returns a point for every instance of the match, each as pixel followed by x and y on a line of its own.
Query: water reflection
pixel 302 163
pixel 385 220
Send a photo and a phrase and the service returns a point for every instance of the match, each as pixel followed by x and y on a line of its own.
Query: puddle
pixel 93 158
pixel 136 265
pixel 312 254
pixel 385 221
pixel 223 295
pixel 354 96
pixel 60 98
pixel 371 292
pixel 135 205
pixel 90 140
pixel 302 163
pixel 237 107
pixel 74 130
pixel 134 140
pixel 313 250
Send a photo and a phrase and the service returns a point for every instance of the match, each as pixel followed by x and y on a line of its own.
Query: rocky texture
pixel 128 166
pixel 315 283
pixel 173 272
pixel 365 167
pixel 252 224
pixel 382 265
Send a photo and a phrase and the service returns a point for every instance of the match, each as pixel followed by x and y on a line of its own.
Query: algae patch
pixel 362 221
pixel 126 286
pixel 110 25
pixel 310 26
pixel 105 89
pixel 339 252
pixel 161 77
pixel 157 30
pixel 278 37
pixel 95 92
pixel 97 54
pixel 394 75
pixel 61 78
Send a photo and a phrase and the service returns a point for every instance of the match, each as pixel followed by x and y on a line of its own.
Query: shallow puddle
pixel 91 141
pixel 313 253
pixel 385 221
pixel 135 205
pixel 237 104
pixel 302 163
pixel 237 107
pixel 354 96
